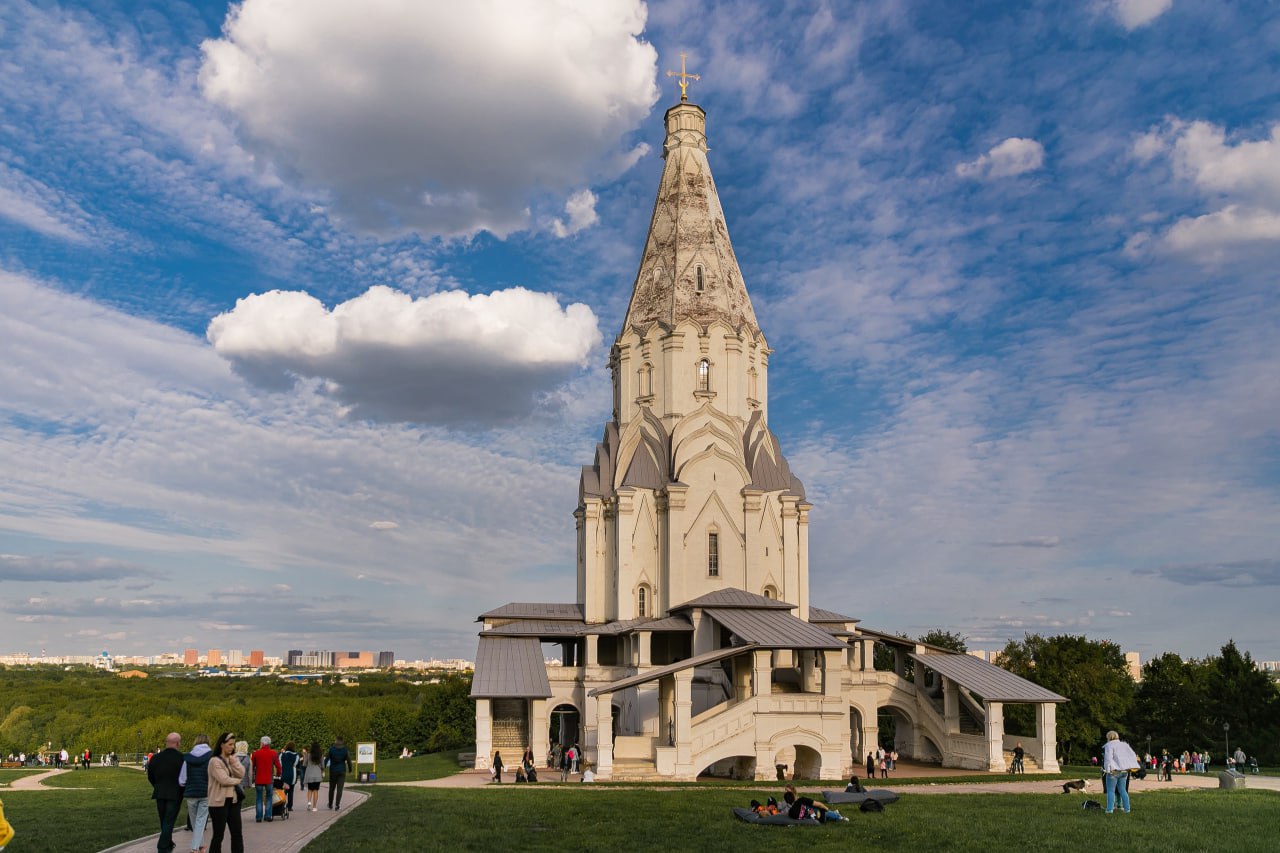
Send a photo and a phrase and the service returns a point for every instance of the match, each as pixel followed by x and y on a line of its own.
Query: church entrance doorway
pixel 565 726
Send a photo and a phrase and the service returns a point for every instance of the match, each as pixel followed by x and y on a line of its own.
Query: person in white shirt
pixel 1118 758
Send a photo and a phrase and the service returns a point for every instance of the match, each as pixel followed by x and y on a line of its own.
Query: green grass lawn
pixel 113 806
pixel 604 818
pixel 8 775
pixel 432 766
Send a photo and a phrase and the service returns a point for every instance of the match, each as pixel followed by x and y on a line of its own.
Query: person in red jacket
pixel 265 762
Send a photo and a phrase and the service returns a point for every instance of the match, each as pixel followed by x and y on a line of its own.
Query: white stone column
pixel 1047 733
pixel 538 727
pixel 484 733
pixel 950 706
pixel 604 737
pixel 762 674
pixel 645 657
pixel 592 650
pixel 832 675
pixel 870 738
pixel 995 735
pixel 684 725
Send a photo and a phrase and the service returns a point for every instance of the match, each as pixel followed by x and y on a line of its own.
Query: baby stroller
pixel 279 799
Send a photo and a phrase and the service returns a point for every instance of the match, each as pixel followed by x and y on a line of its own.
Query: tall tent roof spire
pixel 688 269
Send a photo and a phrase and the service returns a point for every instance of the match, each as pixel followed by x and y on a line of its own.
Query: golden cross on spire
pixel 684 79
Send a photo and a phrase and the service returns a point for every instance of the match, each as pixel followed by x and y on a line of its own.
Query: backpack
pixel 871 806
pixel 1091 805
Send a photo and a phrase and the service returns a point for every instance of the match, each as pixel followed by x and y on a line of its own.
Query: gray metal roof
pixel 731 597
pixel 990 682
pixel 530 610
pixel 774 629
pixel 817 614
pixel 510 668
pixel 627 626
pixel 670 623
pixel 537 628
pixel 654 674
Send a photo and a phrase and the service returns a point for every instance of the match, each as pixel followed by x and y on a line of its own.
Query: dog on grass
pixel 1075 785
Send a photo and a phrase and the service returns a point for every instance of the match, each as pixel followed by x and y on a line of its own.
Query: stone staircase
pixel 1029 764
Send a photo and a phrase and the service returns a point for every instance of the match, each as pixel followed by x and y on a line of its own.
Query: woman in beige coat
pixel 225 773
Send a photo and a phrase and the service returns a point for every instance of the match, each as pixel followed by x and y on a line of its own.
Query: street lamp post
pixel 139 746
pixel 1148 746
pixel 1226 738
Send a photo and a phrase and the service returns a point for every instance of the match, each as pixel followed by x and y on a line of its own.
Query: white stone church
pixel 692 647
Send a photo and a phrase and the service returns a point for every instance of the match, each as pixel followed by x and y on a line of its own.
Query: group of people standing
pixel 882 760
pixel 213 779
pixel 1194 761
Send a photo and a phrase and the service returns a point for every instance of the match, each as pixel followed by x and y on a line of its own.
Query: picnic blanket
pixel 837 798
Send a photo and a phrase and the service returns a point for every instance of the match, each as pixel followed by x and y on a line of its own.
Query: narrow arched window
pixel 769 592
pixel 642 602
pixel 700 285
pixel 752 384
pixel 646 380
pixel 657 274
pixel 713 555
pixel 704 375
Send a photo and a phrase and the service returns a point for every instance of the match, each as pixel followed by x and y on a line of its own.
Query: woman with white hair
pixel 1118 758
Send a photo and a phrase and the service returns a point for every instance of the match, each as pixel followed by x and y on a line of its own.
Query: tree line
pixel 88 709
pixel 1178 705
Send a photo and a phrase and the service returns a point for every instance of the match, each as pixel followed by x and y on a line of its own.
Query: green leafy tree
pixel 1172 705
pixel 1244 697
pixel 945 639
pixel 1092 674
pixel 447 718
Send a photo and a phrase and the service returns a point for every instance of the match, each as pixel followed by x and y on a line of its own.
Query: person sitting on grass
pixel 854 786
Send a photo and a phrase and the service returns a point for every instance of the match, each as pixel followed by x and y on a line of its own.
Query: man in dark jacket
pixel 338 760
pixel 162 772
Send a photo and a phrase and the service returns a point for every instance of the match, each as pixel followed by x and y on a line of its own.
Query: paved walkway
pixel 35 782
pixel 278 836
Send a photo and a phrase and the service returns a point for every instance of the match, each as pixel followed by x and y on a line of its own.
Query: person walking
pixel 194 780
pixel 162 773
pixel 289 772
pixel 312 774
pixel 338 760
pixel 266 766
pixel 225 774
pixel 1118 758
pixel 1018 754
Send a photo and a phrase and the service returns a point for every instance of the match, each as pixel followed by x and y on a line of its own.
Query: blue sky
pixel 306 307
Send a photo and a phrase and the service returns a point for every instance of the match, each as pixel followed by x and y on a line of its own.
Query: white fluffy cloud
pixel 138 466
pixel 581 212
pixel 1013 156
pixel 1241 178
pixel 432 117
pixel 1133 14
pixel 446 358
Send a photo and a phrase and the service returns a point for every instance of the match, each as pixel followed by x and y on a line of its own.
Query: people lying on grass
pixel 804 808
pixel 768 808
